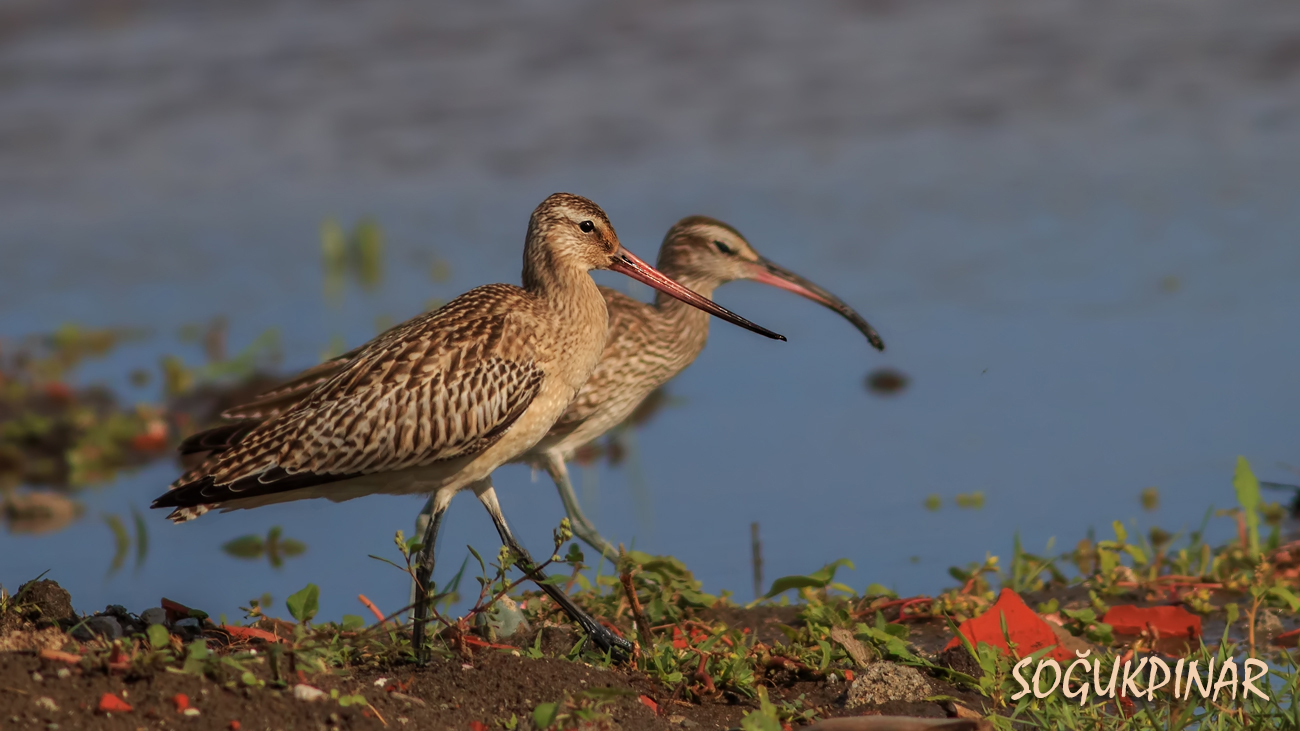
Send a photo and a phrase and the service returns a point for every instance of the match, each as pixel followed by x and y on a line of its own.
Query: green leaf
pixel 544 714
pixel 141 537
pixel 121 541
pixel 878 590
pixel 304 604
pixel 1121 535
pixel 1283 593
pixel 244 547
pixel 765 718
pixel 352 623
pixel 159 637
pixel 816 580
pixel 1247 487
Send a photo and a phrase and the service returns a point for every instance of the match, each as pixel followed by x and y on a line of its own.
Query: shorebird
pixel 436 404
pixel 649 344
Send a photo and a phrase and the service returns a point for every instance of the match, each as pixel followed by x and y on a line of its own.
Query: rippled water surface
pixel 1083 255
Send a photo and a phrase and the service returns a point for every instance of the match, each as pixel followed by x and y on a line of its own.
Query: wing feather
pixel 441 386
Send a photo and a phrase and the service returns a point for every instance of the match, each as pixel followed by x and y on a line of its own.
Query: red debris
pixel 181 701
pixel 1026 629
pixel 649 703
pixel 58 391
pixel 118 660
pixel 234 726
pixel 248 634
pixel 175 610
pixel 109 703
pixel 848 676
pixel 1286 639
pixel 1167 621
pixel 154 440
pixel 477 726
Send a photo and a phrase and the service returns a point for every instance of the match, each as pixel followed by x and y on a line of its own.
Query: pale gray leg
pixel 582 527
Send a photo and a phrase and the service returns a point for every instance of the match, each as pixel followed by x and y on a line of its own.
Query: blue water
pixel 1086 307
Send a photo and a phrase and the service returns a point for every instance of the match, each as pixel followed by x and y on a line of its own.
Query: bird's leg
pixel 582 527
pixel 423 573
pixel 605 640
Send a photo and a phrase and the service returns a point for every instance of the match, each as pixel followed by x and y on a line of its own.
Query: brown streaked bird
pixel 649 344
pixel 436 404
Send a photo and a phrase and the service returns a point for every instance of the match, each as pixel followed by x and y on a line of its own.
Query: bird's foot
pixel 605 640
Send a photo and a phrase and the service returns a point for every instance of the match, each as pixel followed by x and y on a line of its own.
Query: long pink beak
pixel 777 276
pixel 625 262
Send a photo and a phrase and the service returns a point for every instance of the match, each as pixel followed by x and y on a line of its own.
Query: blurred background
pixel 1075 224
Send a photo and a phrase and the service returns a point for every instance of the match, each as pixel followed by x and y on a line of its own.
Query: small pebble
pixel 36 678
pixel 191 712
pixel 47 703
pixel 304 692
pixel 154 615
pixel 98 626
pixel 381 682
pixel 63 673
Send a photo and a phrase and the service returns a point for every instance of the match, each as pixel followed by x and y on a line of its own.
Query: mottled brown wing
pixel 289 394
pixel 443 385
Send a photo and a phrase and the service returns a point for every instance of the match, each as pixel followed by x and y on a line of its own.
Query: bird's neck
pixel 579 317
pixel 689 325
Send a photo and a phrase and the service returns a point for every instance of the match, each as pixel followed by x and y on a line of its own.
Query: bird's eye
pixel 724 248
pixel 587 227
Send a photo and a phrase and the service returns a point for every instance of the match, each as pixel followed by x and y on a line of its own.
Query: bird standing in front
pixel 436 404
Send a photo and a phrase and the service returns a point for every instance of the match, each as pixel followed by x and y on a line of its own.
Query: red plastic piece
pixel 1027 630
pixel 1168 621
pixel 109 703
pixel 247 634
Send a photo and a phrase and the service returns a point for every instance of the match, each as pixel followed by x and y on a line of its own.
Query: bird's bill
pixel 625 262
pixel 778 276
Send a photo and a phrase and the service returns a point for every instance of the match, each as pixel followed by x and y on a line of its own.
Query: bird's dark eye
pixel 724 248
pixel 587 227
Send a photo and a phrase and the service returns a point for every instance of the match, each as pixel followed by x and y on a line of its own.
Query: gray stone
pixel 882 682
pixel 100 626
pixel 152 616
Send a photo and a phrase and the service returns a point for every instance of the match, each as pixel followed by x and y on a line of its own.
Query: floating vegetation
pixel 35 513
pixel 1150 499
pixel 274 547
pixel 886 381
pixel 358 254
pixel 123 540
pixel 60 436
